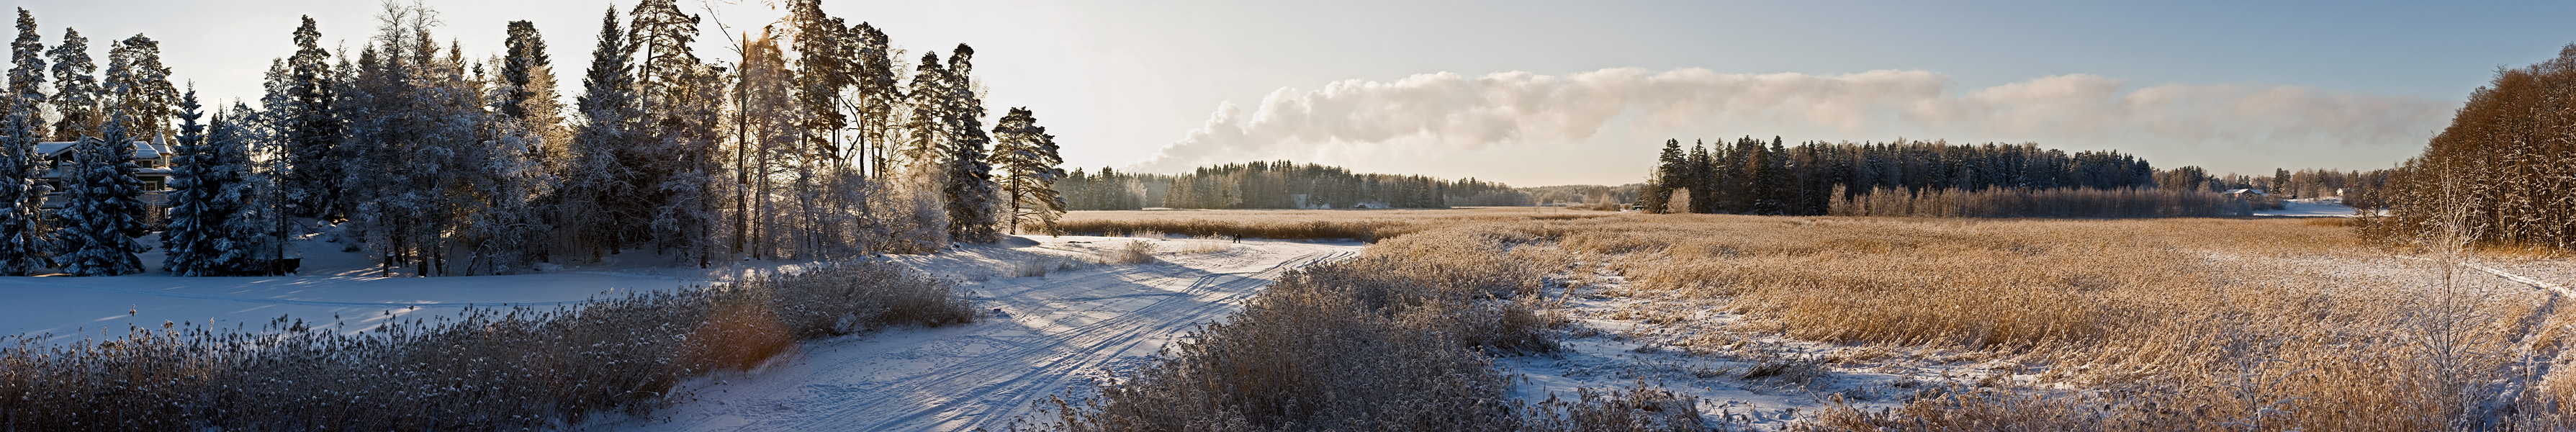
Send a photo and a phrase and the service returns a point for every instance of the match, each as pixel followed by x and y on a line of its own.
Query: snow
pixel 1040 336
pixel 2310 207
pixel 1612 344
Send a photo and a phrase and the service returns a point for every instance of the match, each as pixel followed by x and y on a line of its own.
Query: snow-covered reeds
pixel 1397 339
pixel 487 369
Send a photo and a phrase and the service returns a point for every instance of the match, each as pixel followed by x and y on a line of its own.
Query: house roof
pixel 2243 191
pixel 142 150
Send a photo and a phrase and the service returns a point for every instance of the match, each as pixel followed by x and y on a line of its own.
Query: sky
pixel 1542 93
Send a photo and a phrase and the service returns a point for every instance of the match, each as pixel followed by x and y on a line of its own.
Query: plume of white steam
pixel 1446 111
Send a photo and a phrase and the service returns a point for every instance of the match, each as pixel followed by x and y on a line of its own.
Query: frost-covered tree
pixel 102 210
pixel 599 206
pixel 301 93
pixel 247 150
pixel 196 216
pixel 22 194
pixel 27 70
pixel 1028 158
pixel 969 188
pixel 138 87
pixel 423 142
pixel 76 92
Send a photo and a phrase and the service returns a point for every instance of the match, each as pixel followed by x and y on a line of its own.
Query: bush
pixel 489 369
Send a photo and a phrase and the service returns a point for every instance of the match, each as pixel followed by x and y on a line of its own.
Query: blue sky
pixel 1138 82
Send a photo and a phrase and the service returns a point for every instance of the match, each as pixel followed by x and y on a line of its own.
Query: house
pixel 2244 193
pixel 151 160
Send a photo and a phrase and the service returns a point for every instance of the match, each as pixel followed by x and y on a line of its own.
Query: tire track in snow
pixel 985 374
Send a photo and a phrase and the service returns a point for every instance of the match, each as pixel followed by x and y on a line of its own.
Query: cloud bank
pixel 1445 112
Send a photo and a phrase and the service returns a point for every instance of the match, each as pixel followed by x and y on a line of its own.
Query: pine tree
pixel 102 211
pixel 27 70
pixel 76 89
pixel 1028 157
pixel 138 87
pixel 22 194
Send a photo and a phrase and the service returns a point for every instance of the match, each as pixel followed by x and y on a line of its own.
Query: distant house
pixel 151 160
pixel 2244 193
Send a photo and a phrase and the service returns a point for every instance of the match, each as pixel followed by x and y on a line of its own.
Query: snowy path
pixel 1040 337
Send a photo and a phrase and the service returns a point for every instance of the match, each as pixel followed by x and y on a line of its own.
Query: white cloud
pixel 1368 121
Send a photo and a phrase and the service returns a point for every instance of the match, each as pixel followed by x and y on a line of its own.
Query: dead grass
pixel 490 369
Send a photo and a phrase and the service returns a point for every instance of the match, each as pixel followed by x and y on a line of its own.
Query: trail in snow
pixel 1040 336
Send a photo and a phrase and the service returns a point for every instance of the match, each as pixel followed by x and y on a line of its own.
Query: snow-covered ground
pixel 2310 207
pixel 1742 380
pixel 338 290
pixel 1039 336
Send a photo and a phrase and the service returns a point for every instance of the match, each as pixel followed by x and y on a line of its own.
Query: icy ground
pixel 2310 207
pixel 1039 336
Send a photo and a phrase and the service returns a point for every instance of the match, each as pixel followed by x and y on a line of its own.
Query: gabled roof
pixel 2244 191
pixel 142 150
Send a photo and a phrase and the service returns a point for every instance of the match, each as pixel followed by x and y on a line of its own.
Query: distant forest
pixel 1754 176
pixel 1277 185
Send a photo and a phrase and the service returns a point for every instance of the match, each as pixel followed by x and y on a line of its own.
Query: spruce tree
pixel 76 89
pixel 248 240
pixel 969 188
pixel 102 211
pixel 27 70
pixel 302 94
pixel 1670 167
pixel 194 184
pixel 22 192
pixel 593 213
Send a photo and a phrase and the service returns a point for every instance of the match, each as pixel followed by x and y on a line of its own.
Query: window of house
pixel 152 183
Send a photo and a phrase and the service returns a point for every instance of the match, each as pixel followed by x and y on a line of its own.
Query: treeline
pixel 1574 195
pixel 2503 173
pixel 1751 176
pixel 819 141
pixel 1278 185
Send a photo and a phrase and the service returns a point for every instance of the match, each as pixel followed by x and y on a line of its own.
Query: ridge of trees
pixel 2502 173
pixel 1278 185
